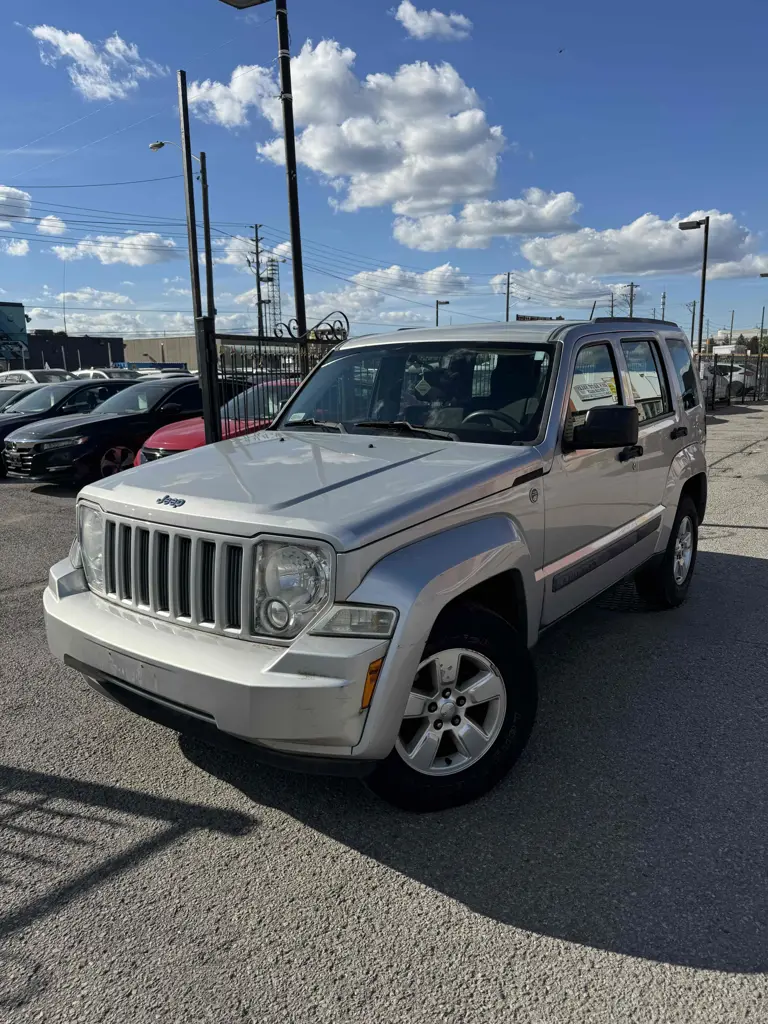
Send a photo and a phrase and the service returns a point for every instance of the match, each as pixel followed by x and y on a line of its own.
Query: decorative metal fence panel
pixel 733 379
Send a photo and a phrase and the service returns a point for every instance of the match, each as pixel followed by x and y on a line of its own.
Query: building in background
pixel 13 333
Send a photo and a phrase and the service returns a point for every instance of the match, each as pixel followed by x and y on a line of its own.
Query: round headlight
pixel 292 586
pixel 92 546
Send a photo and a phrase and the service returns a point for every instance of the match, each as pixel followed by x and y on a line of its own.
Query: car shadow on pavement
pixel 636 819
pixel 62 837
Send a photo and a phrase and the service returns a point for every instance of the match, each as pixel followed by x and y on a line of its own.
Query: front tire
pixel 469 714
pixel 664 583
pixel 115 460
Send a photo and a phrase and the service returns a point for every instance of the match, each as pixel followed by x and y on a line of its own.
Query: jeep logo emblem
pixel 172 502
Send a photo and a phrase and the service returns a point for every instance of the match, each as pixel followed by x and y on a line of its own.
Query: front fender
pixel 688 463
pixel 420 580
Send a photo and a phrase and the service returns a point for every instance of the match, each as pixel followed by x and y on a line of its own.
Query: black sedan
pixel 105 442
pixel 10 393
pixel 55 402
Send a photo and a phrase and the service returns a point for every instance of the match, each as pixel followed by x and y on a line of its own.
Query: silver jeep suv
pixel 356 590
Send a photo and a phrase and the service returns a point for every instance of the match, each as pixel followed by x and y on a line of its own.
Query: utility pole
pixel 762 327
pixel 210 300
pixel 611 301
pixel 509 275
pixel 730 336
pixel 654 314
pixel 260 313
pixel 692 307
pixel 205 332
pixel 663 304
pixel 631 298
pixel 284 57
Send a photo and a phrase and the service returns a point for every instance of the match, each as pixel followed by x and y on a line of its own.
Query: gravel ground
pixel 619 875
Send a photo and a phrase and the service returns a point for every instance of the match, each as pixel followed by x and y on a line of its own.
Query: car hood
pixel 70 426
pixel 349 489
pixel 10 422
pixel 180 437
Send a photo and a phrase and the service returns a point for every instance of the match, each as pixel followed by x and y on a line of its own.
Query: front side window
pixel 646 375
pixel 595 383
pixel 686 375
pixel 490 394
pixel 189 398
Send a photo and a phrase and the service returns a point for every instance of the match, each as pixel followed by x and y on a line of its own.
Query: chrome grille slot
pixel 110 580
pixel 206 579
pixel 197 579
pixel 162 559
pixel 233 583
pixel 124 560
pixel 183 573
pixel 142 574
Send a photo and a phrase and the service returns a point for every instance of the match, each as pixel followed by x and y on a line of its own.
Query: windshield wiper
pixel 321 424
pixel 403 426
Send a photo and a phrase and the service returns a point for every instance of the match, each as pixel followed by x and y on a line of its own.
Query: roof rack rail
pixel 632 319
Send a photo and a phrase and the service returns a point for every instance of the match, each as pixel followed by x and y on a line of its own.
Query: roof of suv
pixel 523 332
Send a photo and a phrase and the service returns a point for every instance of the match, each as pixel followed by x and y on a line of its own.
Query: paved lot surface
pixel 619 875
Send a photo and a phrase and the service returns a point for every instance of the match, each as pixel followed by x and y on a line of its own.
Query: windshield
pixel 122 374
pixel 42 399
pixel 50 376
pixel 8 396
pixel 138 398
pixel 487 393
pixel 260 402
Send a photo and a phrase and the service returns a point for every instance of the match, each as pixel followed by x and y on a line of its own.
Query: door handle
pixel 632 451
pixel 679 432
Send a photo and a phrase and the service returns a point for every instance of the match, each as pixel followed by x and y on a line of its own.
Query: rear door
pixel 660 434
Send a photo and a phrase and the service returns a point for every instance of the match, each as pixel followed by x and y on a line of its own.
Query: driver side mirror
pixel 172 407
pixel 608 426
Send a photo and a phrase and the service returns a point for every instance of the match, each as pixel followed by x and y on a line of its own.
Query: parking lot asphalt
pixel 618 875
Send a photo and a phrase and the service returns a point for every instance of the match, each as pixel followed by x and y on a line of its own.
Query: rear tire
pixel 469 715
pixel 664 582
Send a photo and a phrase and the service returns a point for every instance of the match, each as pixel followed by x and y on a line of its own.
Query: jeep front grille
pixel 186 577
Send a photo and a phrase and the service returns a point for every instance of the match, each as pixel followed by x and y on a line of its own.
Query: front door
pixel 591 496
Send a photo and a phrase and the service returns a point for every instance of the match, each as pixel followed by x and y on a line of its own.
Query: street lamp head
pixel 764 275
pixel 690 225
pixel 242 5
pixel 443 302
pixel 154 146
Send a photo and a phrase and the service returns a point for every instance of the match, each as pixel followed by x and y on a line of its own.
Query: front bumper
pixel 301 701
pixel 61 464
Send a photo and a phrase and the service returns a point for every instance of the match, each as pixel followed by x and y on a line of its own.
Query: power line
pixel 106 184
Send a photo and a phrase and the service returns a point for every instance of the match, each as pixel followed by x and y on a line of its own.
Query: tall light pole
pixel 438 304
pixel 284 58
pixel 692 225
pixel 210 299
pixel 205 330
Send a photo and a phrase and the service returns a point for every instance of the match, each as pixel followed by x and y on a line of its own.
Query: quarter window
pixel 681 359
pixel 646 376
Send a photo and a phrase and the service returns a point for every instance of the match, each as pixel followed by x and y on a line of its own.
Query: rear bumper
pixel 302 701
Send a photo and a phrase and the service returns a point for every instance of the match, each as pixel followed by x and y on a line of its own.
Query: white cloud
pixel 177 291
pixel 750 265
pixel 38 313
pixel 404 316
pixel 227 105
pixel 14 205
pixel 649 245
pixel 15 247
pixel 52 225
pixel 416 140
pixel 557 290
pixel 95 297
pixel 481 221
pixel 432 24
pixel 237 251
pixel 109 72
pixel 370 290
pixel 128 284
pixel 139 249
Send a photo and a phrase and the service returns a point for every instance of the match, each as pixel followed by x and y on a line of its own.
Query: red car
pixel 253 409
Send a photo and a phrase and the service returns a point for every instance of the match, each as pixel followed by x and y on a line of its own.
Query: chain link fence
pixel 732 379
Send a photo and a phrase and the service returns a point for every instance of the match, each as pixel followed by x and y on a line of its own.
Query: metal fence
pixel 269 371
pixel 733 379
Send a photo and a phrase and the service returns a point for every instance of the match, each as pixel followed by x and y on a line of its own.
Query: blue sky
pixel 437 153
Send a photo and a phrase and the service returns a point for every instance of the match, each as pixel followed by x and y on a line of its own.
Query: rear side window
pixel 686 375
pixel 189 397
pixel 646 374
